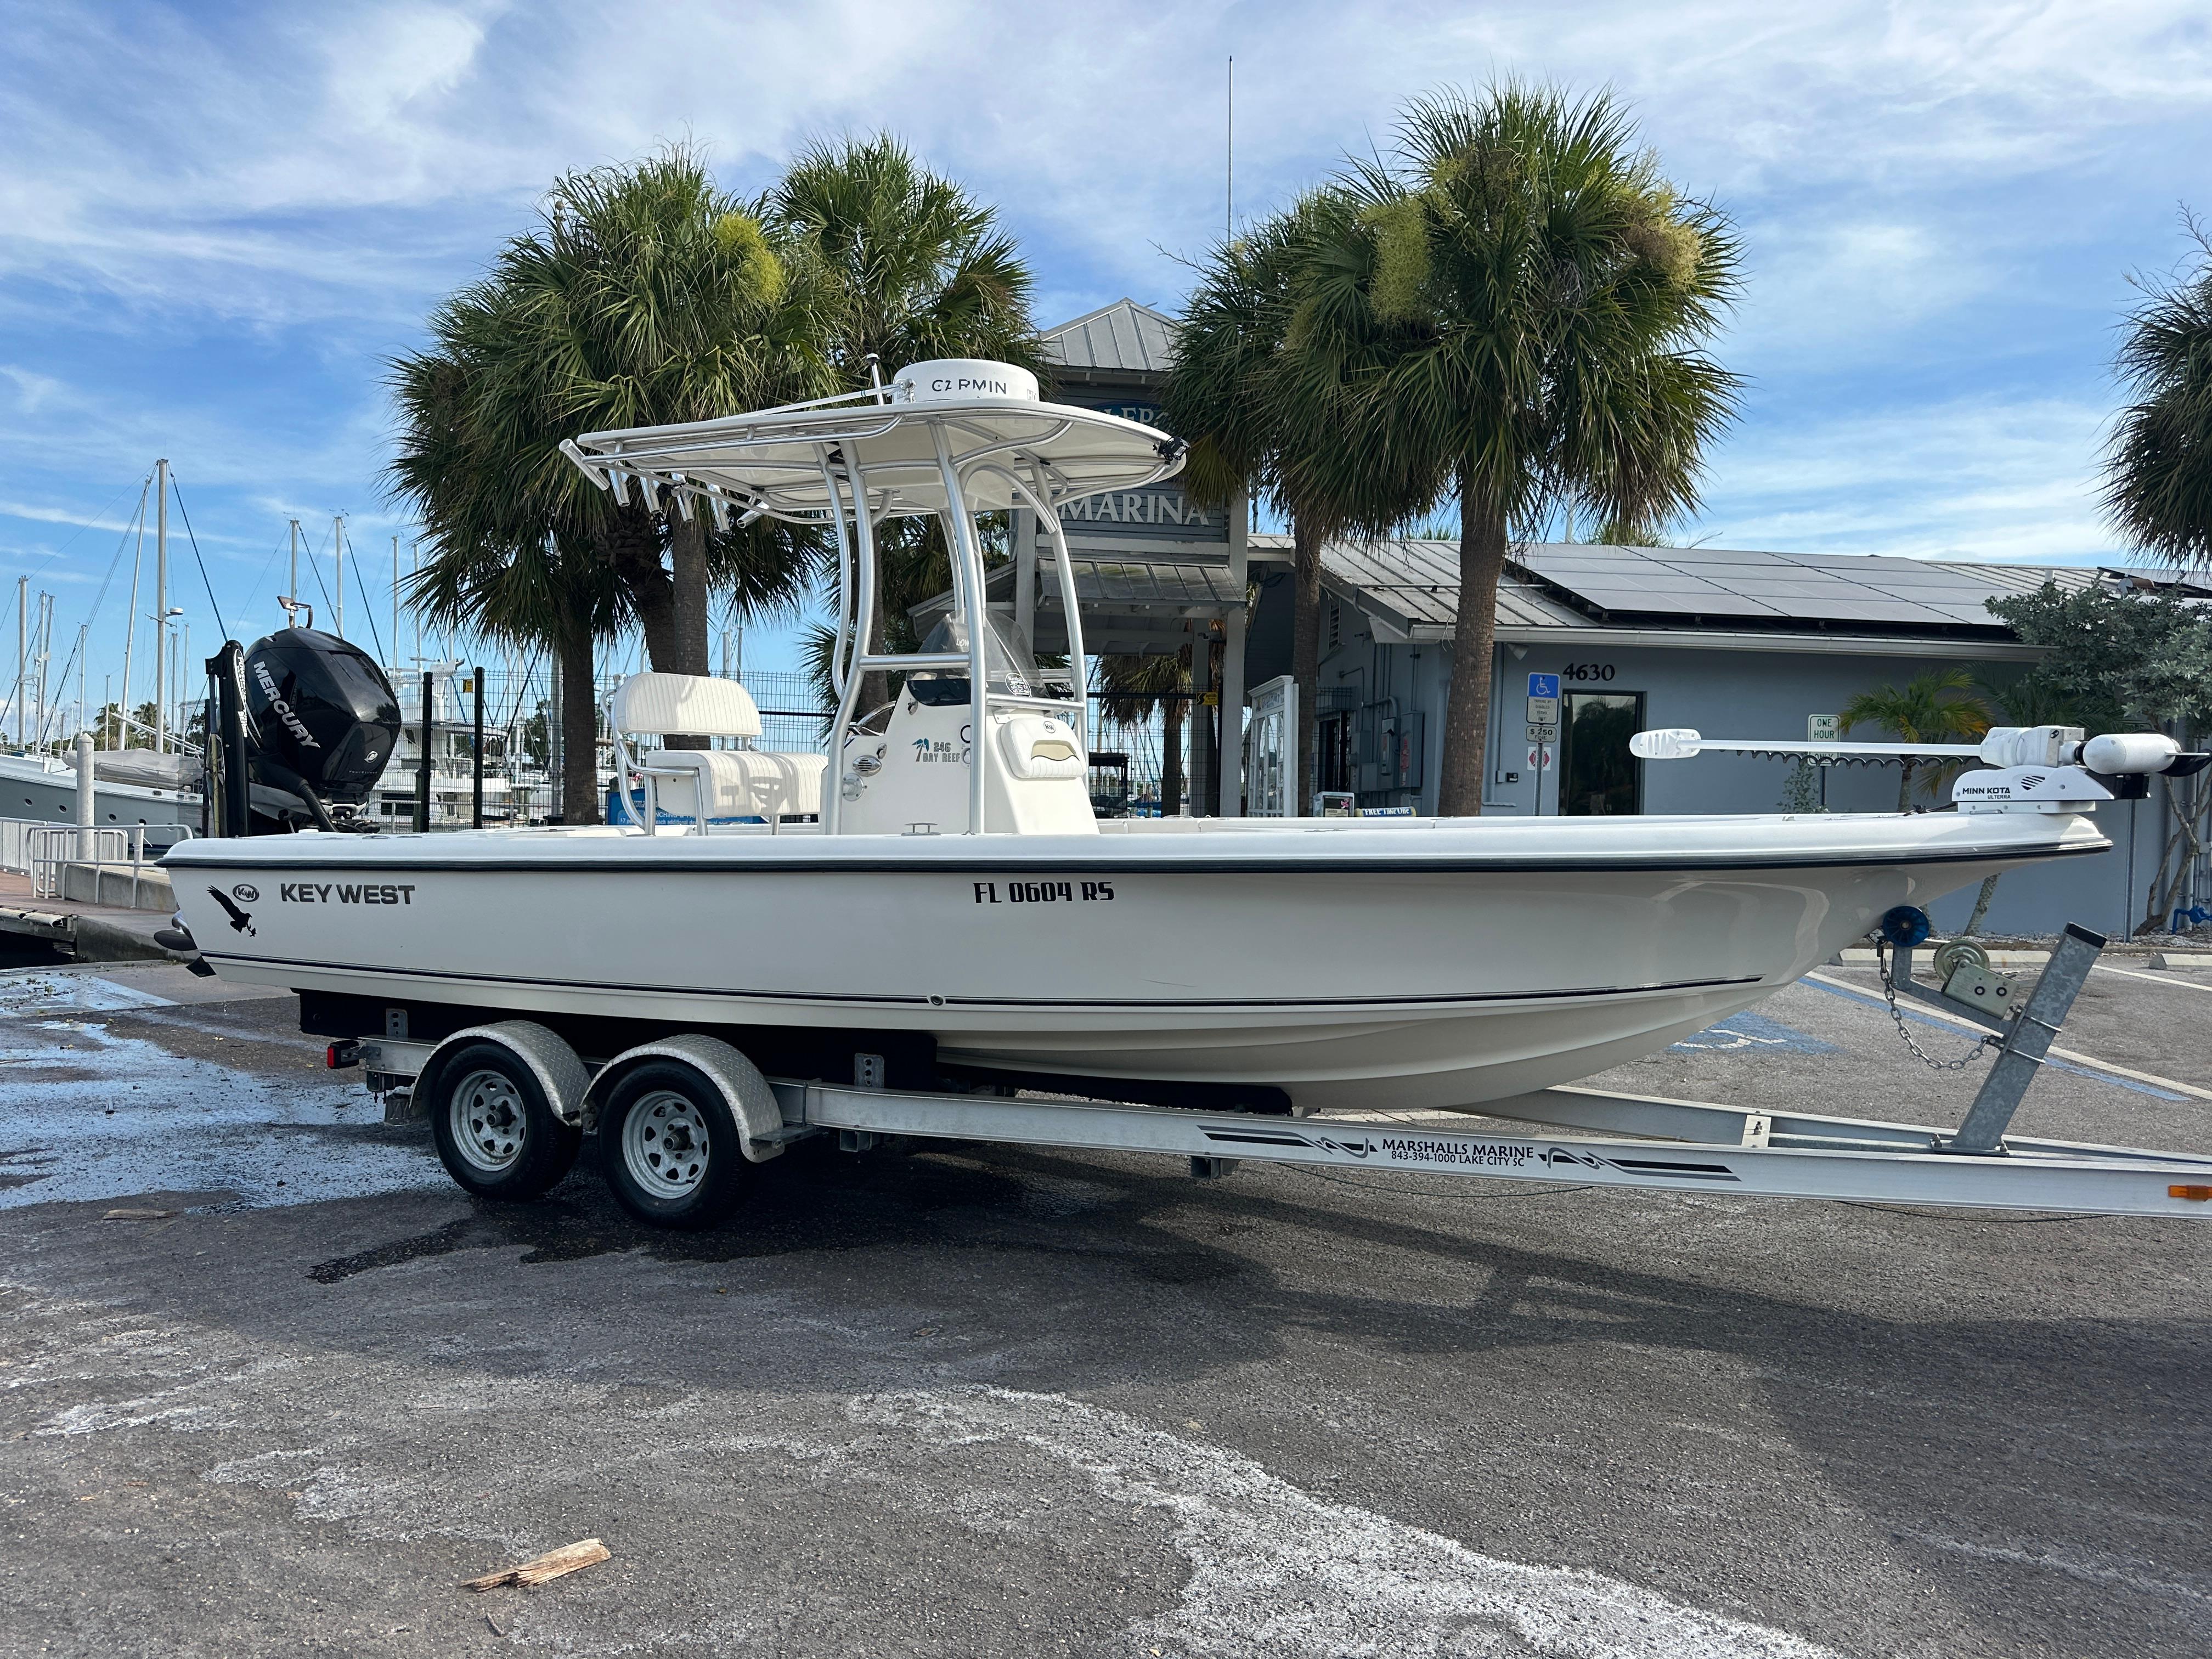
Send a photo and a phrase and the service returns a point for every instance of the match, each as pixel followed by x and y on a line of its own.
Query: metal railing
pixel 48 847
pixel 15 842
pixel 51 846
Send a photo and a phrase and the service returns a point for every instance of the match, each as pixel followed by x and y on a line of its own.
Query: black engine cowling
pixel 319 711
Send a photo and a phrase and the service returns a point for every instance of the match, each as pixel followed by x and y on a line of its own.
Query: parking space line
pixel 2155 979
pixel 1855 993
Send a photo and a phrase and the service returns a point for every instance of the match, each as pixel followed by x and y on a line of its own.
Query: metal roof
pixel 1124 336
pixel 1414 585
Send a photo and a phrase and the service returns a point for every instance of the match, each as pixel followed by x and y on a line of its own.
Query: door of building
pixel 1270 744
pixel 1597 775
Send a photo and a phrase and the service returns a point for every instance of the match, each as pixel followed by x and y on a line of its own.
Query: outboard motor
pixel 317 722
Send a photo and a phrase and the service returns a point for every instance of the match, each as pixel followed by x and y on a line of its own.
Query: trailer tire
pixel 497 1134
pixel 670 1148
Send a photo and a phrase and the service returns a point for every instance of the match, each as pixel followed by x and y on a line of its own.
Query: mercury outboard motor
pixel 318 722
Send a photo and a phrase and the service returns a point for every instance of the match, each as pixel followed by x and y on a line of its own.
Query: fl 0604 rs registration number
pixel 1043 892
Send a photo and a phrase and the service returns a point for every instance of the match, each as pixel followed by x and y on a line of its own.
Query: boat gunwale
pixel 200 855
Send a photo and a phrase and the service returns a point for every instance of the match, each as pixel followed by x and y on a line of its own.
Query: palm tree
pixel 911 266
pixel 2157 467
pixel 1937 707
pixel 903 266
pixel 504 562
pixel 648 296
pixel 1514 304
pixel 1254 423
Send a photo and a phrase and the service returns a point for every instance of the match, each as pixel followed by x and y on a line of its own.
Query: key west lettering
pixel 345 893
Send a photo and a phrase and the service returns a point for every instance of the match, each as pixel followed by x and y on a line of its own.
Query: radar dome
pixel 964 380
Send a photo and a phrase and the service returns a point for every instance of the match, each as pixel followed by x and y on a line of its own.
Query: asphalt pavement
pixel 972 1400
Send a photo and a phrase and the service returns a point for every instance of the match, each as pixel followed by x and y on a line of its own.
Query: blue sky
pixel 218 221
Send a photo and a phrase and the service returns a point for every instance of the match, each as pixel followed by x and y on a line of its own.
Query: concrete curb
pixel 97 939
pixel 2171 959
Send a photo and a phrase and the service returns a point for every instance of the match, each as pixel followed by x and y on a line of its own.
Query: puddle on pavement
pixel 126 1116
pixel 31 995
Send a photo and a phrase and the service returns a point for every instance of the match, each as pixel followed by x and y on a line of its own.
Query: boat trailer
pixel 1667 1145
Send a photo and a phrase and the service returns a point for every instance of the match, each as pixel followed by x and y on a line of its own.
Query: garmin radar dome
pixel 319 711
pixel 963 380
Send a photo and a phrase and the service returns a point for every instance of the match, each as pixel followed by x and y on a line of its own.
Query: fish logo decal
pixel 241 922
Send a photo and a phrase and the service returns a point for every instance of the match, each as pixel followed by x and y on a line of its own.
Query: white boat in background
pixel 959 907
pixel 131 787
pixel 452 780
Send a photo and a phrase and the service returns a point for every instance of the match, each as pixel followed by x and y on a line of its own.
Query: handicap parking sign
pixel 1543 685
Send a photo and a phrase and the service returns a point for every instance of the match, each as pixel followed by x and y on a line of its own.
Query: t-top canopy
pixel 779 461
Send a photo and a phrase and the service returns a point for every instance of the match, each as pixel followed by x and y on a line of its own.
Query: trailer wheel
pixel 497 1134
pixel 670 1148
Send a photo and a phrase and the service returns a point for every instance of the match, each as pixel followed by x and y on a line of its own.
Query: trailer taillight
pixel 342 1053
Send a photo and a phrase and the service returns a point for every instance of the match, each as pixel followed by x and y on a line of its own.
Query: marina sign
pixel 1160 513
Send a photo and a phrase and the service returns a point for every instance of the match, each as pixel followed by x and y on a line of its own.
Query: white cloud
pixel 1971 479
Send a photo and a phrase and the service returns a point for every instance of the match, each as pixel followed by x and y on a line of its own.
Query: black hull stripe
pixel 918 1000
pixel 1015 864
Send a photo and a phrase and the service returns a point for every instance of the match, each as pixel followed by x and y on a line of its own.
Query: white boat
pixel 958 910
pixel 131 787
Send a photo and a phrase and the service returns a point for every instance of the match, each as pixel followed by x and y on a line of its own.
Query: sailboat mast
pixel 23 650
pixel 130 628
pixel 395 603
pixel 293 592
pixel 44 659
pixel 160 606
pixel 338 552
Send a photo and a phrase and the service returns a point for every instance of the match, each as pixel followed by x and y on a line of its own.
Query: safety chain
pixel 1883 961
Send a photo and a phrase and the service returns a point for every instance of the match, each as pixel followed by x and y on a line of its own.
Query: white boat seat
pixel 1037 747
pixel 738 783
pixel 695 704
pixel 704 784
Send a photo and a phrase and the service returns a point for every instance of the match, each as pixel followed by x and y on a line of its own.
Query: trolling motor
pixel 304 724
pixel 2029 768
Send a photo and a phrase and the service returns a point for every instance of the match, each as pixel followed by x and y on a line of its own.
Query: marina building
pixel 1609 641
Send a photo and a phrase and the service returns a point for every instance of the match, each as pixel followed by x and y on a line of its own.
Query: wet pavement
pixel 970 1400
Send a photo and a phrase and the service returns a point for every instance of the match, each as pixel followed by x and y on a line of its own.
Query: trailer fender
pixel 751 1102
pixel 550 1061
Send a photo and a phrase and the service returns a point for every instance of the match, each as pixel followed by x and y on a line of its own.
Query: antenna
pixel 1229 182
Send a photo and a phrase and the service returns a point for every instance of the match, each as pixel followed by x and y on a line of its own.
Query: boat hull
pixel 1438 968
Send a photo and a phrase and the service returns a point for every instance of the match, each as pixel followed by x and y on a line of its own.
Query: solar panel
pixel 1807 587
pixel 1713 603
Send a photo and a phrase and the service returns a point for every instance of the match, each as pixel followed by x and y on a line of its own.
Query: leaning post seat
pixel 707 784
